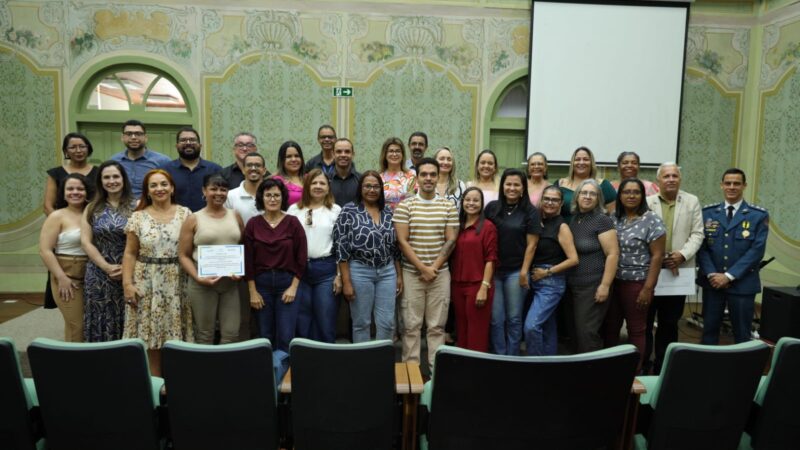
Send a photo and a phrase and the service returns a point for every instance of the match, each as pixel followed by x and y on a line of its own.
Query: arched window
pixel 124 90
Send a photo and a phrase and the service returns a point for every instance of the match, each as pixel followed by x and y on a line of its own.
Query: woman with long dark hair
pixel 291 168
pixel 518 227
pixel 103 240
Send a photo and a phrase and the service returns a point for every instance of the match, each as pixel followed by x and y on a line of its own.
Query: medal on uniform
pixel 746 231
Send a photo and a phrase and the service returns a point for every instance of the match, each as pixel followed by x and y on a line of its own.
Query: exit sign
pixel 343 91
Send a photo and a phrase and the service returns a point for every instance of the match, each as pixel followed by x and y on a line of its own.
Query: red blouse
pixel 281 248
pixel 473 251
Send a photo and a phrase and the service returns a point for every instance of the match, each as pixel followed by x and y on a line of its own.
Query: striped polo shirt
pixel 426 220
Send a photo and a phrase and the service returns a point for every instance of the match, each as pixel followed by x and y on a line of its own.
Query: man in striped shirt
pixel 427 228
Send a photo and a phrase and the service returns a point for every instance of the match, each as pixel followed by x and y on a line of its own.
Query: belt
pixel 150 260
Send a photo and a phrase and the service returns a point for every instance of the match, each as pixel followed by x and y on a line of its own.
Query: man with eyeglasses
pixel 137 159
pixel 189 169
pixel 243 201
pixel 244 143
pixel 344 179
pixel 325 161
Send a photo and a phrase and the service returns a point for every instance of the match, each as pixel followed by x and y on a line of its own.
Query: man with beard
pixel 243 201
pixel 417 144
pixel 344 179
pixel 244 143
pixel 137 159
pixel 189 170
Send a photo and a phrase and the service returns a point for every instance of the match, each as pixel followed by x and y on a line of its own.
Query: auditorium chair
pixel 776 409
pixel 221 396
pixel 343 395
pixel 481 401
pixel 702 398
pixel 20 428
pixel 96 396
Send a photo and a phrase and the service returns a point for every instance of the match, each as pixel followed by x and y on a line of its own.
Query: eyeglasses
pixel 272 196
pixel 631 192
pixel 372 187
pixel 78 147
pixel 328 138
pixel 242 145
pixel 133 133
pixel 590 194
pixel 188 141
pixel 551 200
pixel 394 150
pixel 309 219
pixel 537 164
pixel 254 165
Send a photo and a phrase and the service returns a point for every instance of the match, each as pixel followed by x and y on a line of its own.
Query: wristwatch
pixel 549 272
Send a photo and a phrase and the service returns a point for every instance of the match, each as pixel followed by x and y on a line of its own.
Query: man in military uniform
pixel 734 244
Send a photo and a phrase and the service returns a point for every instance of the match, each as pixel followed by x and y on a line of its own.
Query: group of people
pixel 408 245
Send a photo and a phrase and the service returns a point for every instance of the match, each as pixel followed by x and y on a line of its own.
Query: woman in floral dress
pixel 153 282
pixel 103 240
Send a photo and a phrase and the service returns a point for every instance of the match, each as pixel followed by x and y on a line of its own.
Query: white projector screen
pixel 607 76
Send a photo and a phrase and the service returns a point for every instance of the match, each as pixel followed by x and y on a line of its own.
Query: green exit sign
pixel 343 91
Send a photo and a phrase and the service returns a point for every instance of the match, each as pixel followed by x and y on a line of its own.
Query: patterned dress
pixel 163 312
pixel 104 303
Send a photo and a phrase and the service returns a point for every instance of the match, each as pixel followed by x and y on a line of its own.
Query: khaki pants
pixel 75 268
pixel 428 302
pixel 220 301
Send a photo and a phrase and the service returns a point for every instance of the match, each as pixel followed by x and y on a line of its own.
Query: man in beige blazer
pixel 683 219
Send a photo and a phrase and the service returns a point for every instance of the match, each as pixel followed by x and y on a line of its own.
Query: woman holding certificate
pixel 275 257
pixel 153 283
pixel 211 297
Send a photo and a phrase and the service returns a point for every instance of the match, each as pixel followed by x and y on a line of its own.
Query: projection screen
pixel 607 76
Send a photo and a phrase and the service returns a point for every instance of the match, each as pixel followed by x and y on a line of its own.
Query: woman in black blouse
pixel 518 227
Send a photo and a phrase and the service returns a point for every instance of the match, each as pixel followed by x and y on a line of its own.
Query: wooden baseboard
pixel 30 297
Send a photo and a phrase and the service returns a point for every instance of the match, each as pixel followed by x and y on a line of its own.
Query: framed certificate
pixel 220 260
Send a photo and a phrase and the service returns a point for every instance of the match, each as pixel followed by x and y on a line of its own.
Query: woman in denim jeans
pixel 366 249
pixel 317 212
pixel 518 227
pixel 555 254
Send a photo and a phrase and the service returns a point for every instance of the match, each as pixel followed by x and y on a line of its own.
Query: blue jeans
pixel 541 337
pixel 276 320
pixel 318 307
pixel 506 327
pixel 741 309
pixel 375 290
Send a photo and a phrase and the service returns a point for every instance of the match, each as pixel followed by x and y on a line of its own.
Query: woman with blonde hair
pixel 486 169
pixel 448 186
pixel 582 167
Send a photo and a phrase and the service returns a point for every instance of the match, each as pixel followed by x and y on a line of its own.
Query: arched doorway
pixel 507 123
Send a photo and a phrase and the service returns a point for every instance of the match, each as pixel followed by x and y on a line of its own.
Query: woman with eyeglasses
pixel 642 239
pixel 291 168
pixel 589 283
pixel 212 298
pixel 518 228
pixel 537 177
pixel 368 256
pixel 628 167
pixel 317 212
pixel 582 167
pixel 555 254
pixel 398 183
pixel 275 258
pixel 103 240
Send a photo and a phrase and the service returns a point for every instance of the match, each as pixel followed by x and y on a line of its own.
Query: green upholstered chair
pixel 20 428
pixel 343 395
pixel 776 410
pixel 221 396
pixel 482 401
pixel 96 396
pixel 702 398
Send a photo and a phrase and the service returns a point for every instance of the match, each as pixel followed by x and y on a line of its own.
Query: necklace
pixel 510 209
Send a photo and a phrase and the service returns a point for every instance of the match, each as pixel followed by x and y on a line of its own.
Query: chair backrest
pixel 485 401
pixel 343 395
pixel 702 398
pixel 221 396
pixel 95 395
pixel 17 431
pixel 778 422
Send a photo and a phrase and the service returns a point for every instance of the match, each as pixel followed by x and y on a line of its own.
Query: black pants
pixel 669 310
